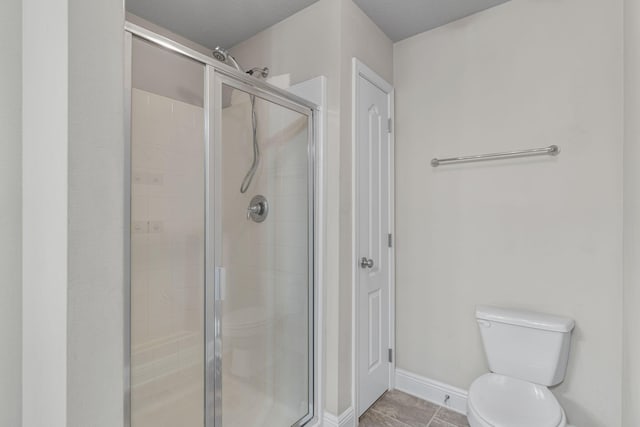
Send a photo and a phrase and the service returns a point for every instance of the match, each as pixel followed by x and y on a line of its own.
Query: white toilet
pixel 527 352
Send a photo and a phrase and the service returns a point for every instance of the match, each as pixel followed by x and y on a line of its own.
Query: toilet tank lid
pixel 529 319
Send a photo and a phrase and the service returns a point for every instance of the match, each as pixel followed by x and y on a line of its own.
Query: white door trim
pixel 359 69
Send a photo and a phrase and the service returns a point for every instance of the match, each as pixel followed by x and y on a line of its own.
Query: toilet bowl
pixel 527 353
pixel 500 401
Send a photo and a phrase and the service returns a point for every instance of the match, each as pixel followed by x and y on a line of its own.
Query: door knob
pixel 366 262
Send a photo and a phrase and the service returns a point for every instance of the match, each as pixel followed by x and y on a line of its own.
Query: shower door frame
pixel 215 81
pixel 216 74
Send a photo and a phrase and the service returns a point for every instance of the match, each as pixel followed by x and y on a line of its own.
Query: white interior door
pixel 372 113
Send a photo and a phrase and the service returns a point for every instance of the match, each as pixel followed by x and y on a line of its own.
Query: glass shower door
pixel 221 295
pixel 167 238
pixel 263 232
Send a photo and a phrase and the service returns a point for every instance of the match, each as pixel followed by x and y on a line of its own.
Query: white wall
pixel 95 213
pixel 320 40
pixel 72 172
pixel 44 209
pixel 631 369
pixel 10 219
pixel 542 234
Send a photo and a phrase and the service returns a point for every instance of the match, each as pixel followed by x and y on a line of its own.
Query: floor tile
pixel 398 409
pixel 452 417
pixel 372 418
pixel 439 423
pixel 408 409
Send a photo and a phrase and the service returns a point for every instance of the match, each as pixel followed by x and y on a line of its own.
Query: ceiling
pixel 228 22
pixel 214 23
pixel 400 19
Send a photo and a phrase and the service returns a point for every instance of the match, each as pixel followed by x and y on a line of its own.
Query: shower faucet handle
pixel 253 210
pixel 366 262
pixel 258 209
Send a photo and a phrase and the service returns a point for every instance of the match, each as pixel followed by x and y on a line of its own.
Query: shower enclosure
pixel 221 319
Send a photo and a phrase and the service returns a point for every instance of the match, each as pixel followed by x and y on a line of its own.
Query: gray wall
pixel 96 220
pixel 10 218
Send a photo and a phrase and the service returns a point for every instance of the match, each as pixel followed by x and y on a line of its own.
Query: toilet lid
pixel 507 402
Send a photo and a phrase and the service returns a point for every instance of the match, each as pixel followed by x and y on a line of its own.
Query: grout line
pixel 433 416
pixel 450 424
pixel 447 423
pixel 386 416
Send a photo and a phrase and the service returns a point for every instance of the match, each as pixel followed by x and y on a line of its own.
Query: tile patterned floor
pixel 398 409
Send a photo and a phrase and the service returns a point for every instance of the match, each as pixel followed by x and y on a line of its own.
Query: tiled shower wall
pixel 167 268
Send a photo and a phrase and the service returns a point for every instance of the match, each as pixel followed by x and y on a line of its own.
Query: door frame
pixel 360 70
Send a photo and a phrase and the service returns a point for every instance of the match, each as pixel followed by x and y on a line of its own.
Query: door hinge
pixel 390 125
pixel 390 240
pixel 390 355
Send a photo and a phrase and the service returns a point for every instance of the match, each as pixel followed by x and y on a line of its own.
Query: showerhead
pixel 223 55
pixel 220 54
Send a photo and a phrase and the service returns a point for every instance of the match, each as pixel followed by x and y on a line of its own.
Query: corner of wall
pixel 11 219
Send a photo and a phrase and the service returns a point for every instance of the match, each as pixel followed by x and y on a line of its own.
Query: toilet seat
pixel 500 401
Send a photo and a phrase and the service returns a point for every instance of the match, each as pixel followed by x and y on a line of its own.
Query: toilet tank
pixel 530 346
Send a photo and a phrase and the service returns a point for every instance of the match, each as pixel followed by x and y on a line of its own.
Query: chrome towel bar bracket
pixel 552 150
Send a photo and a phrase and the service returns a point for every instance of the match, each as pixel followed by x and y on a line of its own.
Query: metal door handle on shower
pixel 366 262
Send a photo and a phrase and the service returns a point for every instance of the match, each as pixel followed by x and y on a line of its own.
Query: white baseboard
pixel 432 391
pixel 346 419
